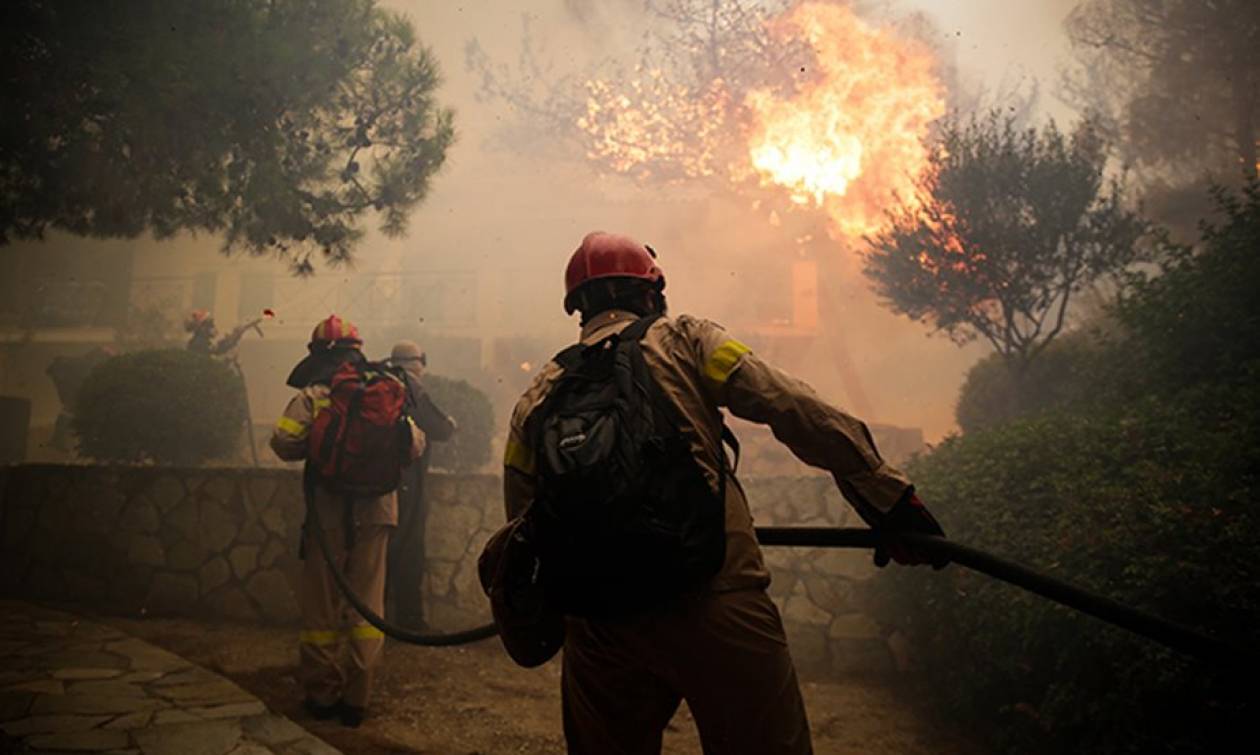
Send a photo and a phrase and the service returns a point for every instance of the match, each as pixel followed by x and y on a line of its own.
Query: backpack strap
pixel 569 358
pixel 730 440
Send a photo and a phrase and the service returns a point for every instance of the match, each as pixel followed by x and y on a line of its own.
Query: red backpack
pixel 360 442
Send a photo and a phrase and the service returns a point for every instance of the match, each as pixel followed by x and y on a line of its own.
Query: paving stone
pixel 15 704
pixel 231 710
pixel 141 677
pixel 93 704
pixel 216 692
pixel 42 686
pixel 130 721
pixel 250 748
pixel 165 717
pixel 272 729
pixel 96 740
pixel 145 657
pixel 310 746
pixel 89 631
pixel 108 687
pixel 194 675
pixel 84 659
pixel 200 738
pixel 47 724
pixel 86 673
pixel 54 628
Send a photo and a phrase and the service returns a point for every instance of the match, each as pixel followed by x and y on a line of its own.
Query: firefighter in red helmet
pixel 339 650
pixel 721 647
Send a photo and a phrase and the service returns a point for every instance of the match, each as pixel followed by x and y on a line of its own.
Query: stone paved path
pixel 69 685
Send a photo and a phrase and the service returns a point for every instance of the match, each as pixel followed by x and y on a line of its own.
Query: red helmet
pixel 335 331
pixel 608 255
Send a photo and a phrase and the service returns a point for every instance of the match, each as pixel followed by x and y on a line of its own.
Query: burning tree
pixel 1002 230
pixel 800 101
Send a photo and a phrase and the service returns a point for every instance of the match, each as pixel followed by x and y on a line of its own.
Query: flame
pixel 853 134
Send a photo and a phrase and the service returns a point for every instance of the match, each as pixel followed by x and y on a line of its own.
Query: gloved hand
pixel 909 515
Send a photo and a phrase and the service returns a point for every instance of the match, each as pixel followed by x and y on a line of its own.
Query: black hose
pixel 1172 635
pixel 402 634
pixel 1175 636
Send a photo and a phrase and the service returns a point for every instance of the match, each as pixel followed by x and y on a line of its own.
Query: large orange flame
pixel 852 135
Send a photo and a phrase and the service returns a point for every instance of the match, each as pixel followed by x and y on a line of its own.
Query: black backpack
pixel 623 517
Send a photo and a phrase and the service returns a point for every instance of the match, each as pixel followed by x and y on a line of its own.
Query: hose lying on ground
pixel 1175 636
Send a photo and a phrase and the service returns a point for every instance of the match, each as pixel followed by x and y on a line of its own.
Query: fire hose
pixel 1170 634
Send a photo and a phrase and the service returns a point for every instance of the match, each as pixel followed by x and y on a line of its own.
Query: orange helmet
pixel 335 332
pixel 196 319
pixel 608 255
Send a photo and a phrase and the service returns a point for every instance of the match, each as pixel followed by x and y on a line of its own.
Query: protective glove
pixel 909 515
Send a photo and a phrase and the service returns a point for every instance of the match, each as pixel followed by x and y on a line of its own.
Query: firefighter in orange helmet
pixel 722 649
pixel 337 683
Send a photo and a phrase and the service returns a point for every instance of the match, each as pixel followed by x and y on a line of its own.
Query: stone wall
pixel 222 543
pixel 189 542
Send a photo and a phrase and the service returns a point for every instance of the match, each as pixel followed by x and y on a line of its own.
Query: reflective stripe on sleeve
pixel 319 637
pixel 320 403
pixel 290 426
pixel 518 457
pixel 724 360
pixel 366 632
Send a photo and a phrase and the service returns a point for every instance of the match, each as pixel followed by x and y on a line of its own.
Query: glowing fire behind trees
pixel 852 137
pixel 840 127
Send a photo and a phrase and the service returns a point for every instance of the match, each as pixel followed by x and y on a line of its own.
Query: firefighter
pixel 358 531
pixel 723 650
pixel 406 547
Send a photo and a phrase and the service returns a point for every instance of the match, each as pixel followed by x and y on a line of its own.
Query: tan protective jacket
pixel 288 440
pixel 702 369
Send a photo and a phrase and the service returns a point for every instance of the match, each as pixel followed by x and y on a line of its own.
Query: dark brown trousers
pixel 724 653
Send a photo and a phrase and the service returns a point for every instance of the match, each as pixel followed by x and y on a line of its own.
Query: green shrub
pixel 991 394
pixel 1142 488
pixel 165 406
pixel 1153 506
pixel 469 448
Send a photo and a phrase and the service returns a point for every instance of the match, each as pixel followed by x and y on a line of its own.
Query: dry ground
pixel 472 699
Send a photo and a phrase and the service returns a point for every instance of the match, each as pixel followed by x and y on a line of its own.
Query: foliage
pixel 1179 84
pixel 469 448
pixel 1199 320
pixel 1142 487
pixel 1153 506
pixel 1007 226
pixel 278 123
pixel 165 406
pixel 669 114
pixel 992 395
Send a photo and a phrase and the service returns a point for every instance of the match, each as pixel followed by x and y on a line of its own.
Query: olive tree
pixel 1003 230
